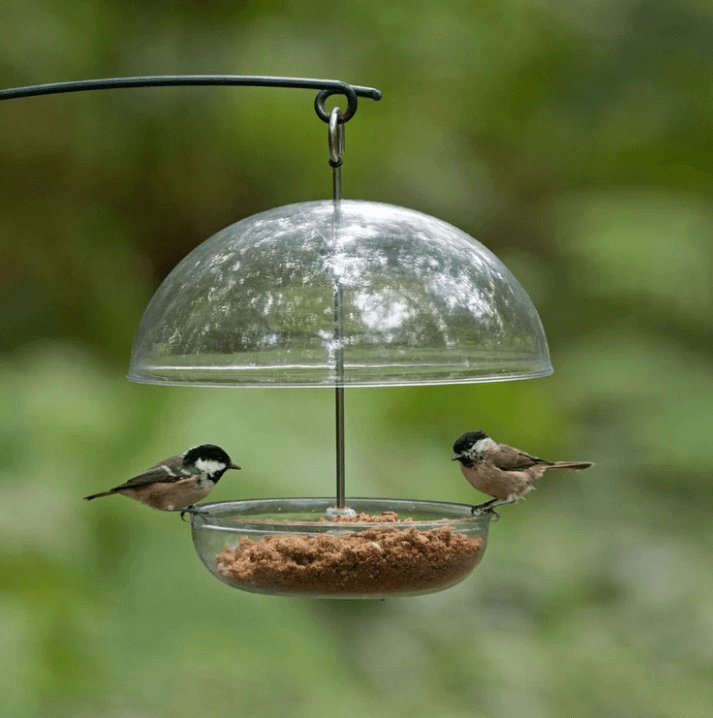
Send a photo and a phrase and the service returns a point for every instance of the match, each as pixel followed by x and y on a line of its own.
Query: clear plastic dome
pixel 282 297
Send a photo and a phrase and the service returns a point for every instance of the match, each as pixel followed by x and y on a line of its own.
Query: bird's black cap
pixel 464 442
pixel 207 452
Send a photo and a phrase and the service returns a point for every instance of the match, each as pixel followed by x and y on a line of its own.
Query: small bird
pixel 178 482
pixel 500 470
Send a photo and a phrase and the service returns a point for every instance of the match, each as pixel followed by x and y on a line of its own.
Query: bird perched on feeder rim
pixel 500 470
pixel 178 482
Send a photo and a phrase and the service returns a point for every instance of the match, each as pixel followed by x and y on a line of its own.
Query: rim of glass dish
pixel 200 517
pixel 142 379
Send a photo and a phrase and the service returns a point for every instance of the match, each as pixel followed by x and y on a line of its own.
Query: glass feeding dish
pixel 270 301
pixel 286 547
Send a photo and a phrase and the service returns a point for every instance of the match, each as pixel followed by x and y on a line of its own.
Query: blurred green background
pixel 571 138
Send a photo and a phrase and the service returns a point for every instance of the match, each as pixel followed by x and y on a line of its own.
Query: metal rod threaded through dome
pixel 335 138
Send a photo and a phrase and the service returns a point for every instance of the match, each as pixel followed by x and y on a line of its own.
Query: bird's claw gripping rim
pixel 484 509
pixel 190 510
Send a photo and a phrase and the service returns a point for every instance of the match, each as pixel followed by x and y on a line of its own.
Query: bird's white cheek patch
pixel 483 444
pixel 209 467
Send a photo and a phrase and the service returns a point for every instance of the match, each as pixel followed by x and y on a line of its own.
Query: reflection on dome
pixel 423 303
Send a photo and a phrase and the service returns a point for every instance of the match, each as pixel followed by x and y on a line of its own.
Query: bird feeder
pixel 333 294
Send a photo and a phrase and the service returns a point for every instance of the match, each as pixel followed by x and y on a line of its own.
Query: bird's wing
pixel 166 472
pixel 508 458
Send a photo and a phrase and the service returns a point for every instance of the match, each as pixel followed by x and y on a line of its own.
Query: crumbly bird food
pixel 386 517
pixel 379 560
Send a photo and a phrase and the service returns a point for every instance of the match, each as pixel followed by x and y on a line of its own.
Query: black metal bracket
pixel 326 88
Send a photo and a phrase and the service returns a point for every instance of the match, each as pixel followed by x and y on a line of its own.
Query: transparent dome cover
pixel 353 294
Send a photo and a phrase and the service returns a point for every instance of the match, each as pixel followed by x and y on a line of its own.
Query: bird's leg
pixel 480 508
pixel 489 506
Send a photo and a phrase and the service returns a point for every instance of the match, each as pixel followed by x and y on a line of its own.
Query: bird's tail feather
pixel 570 465
pixel 101 493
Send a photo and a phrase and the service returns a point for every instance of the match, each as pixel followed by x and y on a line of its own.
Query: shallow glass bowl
pixel 288 547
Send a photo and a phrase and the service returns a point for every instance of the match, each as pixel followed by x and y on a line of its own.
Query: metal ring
pixel 336 137
pixel 352 102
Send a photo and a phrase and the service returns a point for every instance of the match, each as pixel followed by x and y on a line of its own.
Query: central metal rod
pixel 339 353
pixel 339 415
pixel 336 147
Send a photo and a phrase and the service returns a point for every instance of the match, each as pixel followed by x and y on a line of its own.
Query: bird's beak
pixel 455 457
pixel 233 466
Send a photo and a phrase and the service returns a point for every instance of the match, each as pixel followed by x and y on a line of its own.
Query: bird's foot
pixel 486 508
pixel 192 510
pixel 188 510
pixel 489 507
pixel 482 507
pixel 477 511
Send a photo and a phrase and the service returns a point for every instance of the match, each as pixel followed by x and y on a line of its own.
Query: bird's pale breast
pixel 495 482
pixel 171 496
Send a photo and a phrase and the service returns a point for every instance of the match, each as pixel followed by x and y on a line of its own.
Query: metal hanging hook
pixel 336 138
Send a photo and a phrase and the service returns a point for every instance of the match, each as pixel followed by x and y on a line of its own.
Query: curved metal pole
pixel 326 87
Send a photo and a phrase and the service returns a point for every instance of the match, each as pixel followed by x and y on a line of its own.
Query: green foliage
pixel 568 137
